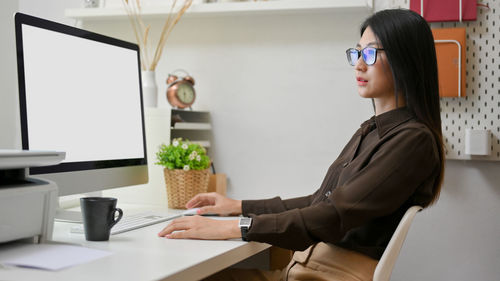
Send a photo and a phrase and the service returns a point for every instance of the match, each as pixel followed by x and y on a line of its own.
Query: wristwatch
pixel 244 225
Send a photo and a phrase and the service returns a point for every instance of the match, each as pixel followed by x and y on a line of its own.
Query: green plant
pixel 182 154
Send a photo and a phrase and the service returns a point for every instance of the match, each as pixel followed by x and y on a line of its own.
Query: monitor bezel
pixel 24 19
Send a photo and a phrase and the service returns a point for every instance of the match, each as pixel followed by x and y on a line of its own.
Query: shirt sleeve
pixel 400 165
pixel 274 205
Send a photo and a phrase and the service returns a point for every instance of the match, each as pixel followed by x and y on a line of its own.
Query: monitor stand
pixel 69 207
pixel 64 215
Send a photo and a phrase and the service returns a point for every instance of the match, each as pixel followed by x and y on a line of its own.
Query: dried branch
pixel 130 15
pixel 142 31
pixel 165 34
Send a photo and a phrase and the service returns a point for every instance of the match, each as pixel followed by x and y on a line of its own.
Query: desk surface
pixel 141 255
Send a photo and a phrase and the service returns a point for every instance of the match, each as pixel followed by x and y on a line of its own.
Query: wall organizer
pixel 480 108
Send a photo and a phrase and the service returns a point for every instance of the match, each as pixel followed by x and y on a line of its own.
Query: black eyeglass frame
pixel 360 55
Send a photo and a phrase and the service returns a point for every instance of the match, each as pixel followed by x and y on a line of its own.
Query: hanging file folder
pixel 445 10
pixel 450 53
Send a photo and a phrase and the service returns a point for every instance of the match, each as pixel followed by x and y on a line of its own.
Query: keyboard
pixel 135 221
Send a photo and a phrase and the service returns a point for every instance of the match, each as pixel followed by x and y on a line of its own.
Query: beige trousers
pixel 321 261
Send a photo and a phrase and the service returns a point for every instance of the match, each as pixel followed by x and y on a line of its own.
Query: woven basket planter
pixel 183 185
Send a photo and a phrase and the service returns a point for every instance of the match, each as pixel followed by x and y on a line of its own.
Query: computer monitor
pixel 80 92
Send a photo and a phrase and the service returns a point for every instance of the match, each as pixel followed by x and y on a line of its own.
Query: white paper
pixel 48 256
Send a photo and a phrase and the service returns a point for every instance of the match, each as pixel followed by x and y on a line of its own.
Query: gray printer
pixel 27 206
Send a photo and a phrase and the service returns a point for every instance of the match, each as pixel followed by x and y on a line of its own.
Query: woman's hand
pixel 214 203
pixel 198 227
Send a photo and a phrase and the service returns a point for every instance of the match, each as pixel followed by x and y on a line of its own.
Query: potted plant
pixel 186 170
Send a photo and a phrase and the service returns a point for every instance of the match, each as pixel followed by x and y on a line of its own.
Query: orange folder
pixel 450 52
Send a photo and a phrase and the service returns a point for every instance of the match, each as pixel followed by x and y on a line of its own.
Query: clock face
pixel 185 93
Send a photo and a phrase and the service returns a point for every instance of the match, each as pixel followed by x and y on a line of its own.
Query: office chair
pixel 384 267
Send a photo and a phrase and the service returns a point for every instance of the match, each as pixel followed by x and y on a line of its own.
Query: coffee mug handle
pixel 116 220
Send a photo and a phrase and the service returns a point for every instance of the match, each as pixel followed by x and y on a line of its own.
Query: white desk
pixel 142 255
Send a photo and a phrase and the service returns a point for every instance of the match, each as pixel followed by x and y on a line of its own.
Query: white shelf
pixel 192 126
pixel 228 8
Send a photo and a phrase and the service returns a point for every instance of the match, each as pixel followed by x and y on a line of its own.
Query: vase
pixel 149 89
pixel 184 185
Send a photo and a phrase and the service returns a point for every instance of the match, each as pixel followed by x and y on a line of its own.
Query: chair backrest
pixel 388 260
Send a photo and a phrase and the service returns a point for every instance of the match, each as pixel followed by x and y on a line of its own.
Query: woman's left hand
pixel 198 227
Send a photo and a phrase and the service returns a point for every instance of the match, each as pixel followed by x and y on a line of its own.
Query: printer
pixel 27 206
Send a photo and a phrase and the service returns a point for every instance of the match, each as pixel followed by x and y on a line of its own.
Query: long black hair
pixel 409 46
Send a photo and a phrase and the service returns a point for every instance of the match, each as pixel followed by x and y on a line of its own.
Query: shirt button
pixel 345 164
pixel 328 193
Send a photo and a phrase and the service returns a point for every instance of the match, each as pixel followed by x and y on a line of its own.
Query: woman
pixel 395 160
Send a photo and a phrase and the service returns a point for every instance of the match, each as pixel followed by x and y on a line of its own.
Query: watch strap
pixel 244 232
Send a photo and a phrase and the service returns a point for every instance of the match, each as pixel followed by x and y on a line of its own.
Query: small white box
pixel 477 142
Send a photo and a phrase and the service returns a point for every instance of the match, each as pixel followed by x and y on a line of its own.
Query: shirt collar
pixel 391 119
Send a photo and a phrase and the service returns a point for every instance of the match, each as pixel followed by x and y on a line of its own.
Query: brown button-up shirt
pixel 390 164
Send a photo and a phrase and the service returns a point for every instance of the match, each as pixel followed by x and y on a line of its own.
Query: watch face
pixel 185 93
pixel 245 222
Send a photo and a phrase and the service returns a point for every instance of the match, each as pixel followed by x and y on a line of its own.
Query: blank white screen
pixel 82 97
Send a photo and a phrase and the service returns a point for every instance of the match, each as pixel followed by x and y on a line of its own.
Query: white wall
pixel 259 76
pixel 458 238
pixel 280 91
pixel 9 112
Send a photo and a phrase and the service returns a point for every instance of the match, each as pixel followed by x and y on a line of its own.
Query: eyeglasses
pixel 369 55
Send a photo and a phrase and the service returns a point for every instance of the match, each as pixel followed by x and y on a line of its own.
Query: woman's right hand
pixel 214 203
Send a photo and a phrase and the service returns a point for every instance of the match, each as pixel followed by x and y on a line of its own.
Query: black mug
pixel 99 217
